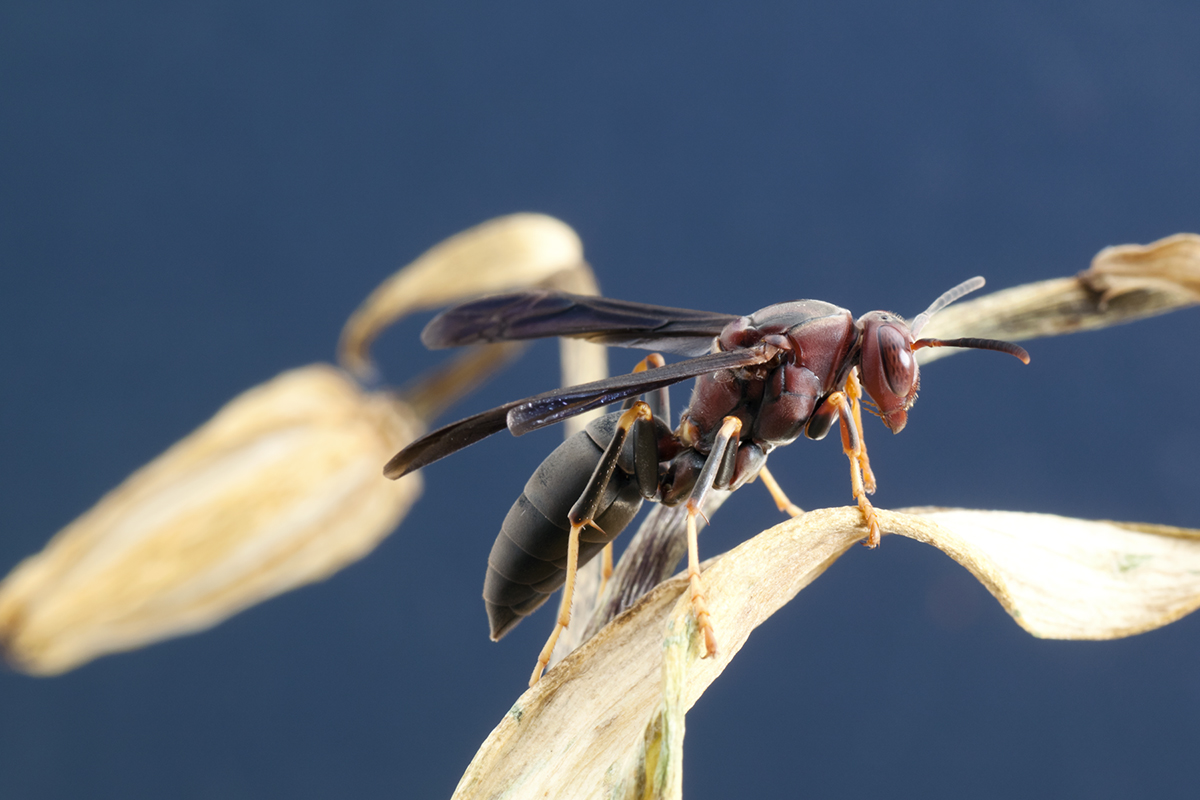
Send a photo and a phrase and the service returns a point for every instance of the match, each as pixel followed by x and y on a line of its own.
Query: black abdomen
pixel 528 562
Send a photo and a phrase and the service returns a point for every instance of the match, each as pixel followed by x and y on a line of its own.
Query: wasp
pixel 762 380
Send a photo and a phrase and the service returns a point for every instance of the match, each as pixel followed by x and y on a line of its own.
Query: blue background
pixel 194 198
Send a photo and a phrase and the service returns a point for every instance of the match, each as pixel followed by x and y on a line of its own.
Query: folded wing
pixel 539 314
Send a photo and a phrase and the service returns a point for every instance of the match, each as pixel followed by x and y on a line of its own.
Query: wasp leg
pixel 852 446
pixel 854 392
pixel 777 494
pixel 726 442
pixel 660 406
pixel 606 567
pixel 580 517
pixel 660 399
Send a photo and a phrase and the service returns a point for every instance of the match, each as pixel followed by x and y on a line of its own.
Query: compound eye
pixel 899 367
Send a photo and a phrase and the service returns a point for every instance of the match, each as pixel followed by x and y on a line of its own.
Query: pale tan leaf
pixel 1169 265
pixel 1063 578
pixel 511 252
pixel 281 488
pixel 608 721
pixel 593 727
pixel 1124 284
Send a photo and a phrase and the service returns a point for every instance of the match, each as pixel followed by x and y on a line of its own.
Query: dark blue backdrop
pixel 193 199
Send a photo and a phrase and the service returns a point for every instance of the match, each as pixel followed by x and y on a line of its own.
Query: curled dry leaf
pixel 518 251
pixel 511 252
pixel 1124 283
pixel 279 489
pixel 1168 266
pixel 283 486
pixel 1063 578
pixel 608 722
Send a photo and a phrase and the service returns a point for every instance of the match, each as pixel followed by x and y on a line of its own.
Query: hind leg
pixel 581 516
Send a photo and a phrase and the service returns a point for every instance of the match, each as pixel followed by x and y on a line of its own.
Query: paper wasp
pixel 762 381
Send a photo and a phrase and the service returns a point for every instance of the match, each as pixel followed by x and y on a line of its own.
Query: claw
pixel 874 534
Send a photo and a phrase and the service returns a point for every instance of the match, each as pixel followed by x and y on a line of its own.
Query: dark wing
pixel 537 314
pixel 522 416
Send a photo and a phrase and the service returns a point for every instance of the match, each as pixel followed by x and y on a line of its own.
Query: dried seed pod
pixel 280 488
pixel 515 251
pixel 1169 266
pixel 1124 283
pixel 283 486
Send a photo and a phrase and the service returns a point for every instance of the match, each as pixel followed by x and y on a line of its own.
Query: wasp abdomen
pixel 528 561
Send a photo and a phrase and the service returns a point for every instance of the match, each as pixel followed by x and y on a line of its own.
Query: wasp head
pixel 889 368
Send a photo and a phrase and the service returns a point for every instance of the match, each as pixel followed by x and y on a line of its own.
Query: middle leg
pixel 660 406
pixel 777 494
pixel 720 460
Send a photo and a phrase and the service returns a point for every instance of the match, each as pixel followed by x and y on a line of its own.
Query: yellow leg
pixel 781 500
pixel 580 517
pixel 855 393
pixel 699 598
pixel 564 608
pixel 852 447
pixel 649 362
pixel 727 437
pixel 606 567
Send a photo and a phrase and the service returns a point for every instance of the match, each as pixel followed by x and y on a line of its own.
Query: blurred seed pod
pixel 1124 283
pixel 279 489
pixel 1169 266
pixel 284 485
pixel 512 252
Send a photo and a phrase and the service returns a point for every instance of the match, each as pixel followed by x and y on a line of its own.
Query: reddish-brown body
pixel 761 381
pixel 774 401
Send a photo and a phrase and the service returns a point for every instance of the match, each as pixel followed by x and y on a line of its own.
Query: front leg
pixel 852 445
pixel 854 392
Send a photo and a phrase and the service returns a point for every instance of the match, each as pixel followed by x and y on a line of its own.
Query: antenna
pixel 964 288
pixel 977 344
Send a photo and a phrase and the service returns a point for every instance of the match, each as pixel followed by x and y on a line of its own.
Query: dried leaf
pixel 1124 284
pixel 1063 578
pixel 608 722
pixel 281 488
pixel 1170 265
pixel 516 251
pixel 594 726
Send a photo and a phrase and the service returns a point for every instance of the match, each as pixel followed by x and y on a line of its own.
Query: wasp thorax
pixel 739 333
